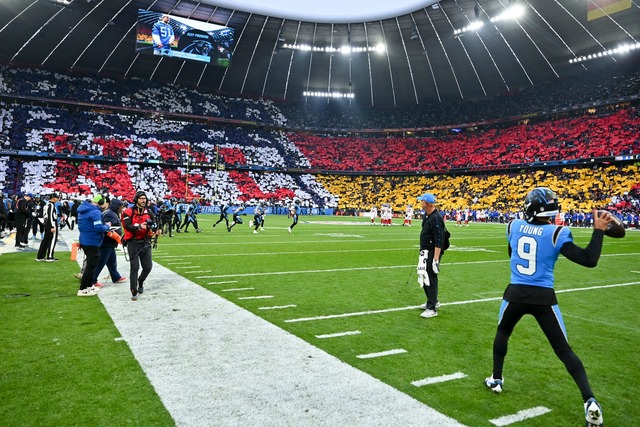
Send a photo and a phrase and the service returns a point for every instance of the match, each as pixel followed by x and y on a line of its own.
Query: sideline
pixel 213 363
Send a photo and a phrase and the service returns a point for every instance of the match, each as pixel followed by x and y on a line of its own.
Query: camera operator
pixel 139 227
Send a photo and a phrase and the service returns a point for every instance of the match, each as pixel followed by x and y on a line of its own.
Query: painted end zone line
pixel 339 334
pixel 520 416
pixel 381 354
pixel 440 379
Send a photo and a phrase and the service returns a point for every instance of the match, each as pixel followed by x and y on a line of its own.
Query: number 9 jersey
pixel 534 250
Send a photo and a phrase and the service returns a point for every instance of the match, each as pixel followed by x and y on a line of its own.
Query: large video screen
pixel 176 37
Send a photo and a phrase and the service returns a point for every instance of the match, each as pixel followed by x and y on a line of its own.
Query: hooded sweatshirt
pixel 90 224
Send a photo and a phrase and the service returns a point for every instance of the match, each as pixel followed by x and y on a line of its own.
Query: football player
pixel 534 245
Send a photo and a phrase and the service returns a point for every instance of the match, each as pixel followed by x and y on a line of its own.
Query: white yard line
pixel 277 307
pixel 338 334
pixel 440 379
pixel 525 414
pixel 412 307
pixel 381 353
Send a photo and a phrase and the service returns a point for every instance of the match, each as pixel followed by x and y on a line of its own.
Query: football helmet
pixel 541 202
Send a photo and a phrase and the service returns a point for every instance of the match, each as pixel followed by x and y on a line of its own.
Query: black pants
pixel 550 321
pixel 139 255
pixel 431 291
pixel 48 244
pixel 92 256
pixel 22 232
pixel 36 225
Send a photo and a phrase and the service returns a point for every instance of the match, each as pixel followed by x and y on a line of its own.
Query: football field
pixel 349 289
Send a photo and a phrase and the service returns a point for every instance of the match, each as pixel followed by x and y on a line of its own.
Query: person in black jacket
pixel 109 244
pixel 431 242
pixel 21 215
pixel 37 217
pixel 3 216
pixel 73 214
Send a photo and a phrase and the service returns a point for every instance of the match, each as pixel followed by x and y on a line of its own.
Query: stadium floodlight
pixel 473 26
pixel 332 49
pixel 514 11
pixel 620 50
pixel 328 94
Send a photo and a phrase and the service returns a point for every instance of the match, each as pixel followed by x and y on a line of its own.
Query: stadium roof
pixel 423 61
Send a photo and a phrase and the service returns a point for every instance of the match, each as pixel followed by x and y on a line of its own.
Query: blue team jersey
pixel 534 251
pixel 163 31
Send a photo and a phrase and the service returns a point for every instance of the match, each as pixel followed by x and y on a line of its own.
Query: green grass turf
pixel 60 363
pixel 328 268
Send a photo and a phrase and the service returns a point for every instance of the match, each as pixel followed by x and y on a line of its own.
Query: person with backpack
pixel 432 246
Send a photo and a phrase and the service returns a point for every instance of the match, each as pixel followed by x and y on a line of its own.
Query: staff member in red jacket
pixel 139 226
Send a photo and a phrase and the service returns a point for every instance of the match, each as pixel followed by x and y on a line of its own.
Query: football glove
pixel 436 266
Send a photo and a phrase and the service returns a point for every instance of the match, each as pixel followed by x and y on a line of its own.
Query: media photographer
pixel 139 228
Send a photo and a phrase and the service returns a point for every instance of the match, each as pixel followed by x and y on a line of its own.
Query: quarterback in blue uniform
pixel 534 247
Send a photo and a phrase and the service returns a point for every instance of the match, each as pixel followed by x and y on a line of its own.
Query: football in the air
pixel 615 227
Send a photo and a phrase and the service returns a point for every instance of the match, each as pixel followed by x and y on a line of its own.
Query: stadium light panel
pixel 622 49
pixel 328 94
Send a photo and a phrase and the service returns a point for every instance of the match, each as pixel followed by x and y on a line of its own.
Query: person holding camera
pixel 139 227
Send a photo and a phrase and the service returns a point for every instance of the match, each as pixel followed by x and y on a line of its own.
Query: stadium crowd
pixel 131 148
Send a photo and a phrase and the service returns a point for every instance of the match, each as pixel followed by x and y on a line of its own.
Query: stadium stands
pixel 82 148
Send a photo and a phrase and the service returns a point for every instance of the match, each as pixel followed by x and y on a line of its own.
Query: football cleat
pixel 593 413
pixel 493 384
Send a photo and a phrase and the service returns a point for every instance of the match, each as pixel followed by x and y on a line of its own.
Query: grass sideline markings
pixel 439 379
pixel 277 307
pixel 334 270
pixel 236 289
pixel 413 307
pixel 600 322
pixel 258 297
pixel 179 263
pixel 197 271
pixel 304 252
pixel 338 334
pixel 381 353
pixel 525 414
pixel 222 283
